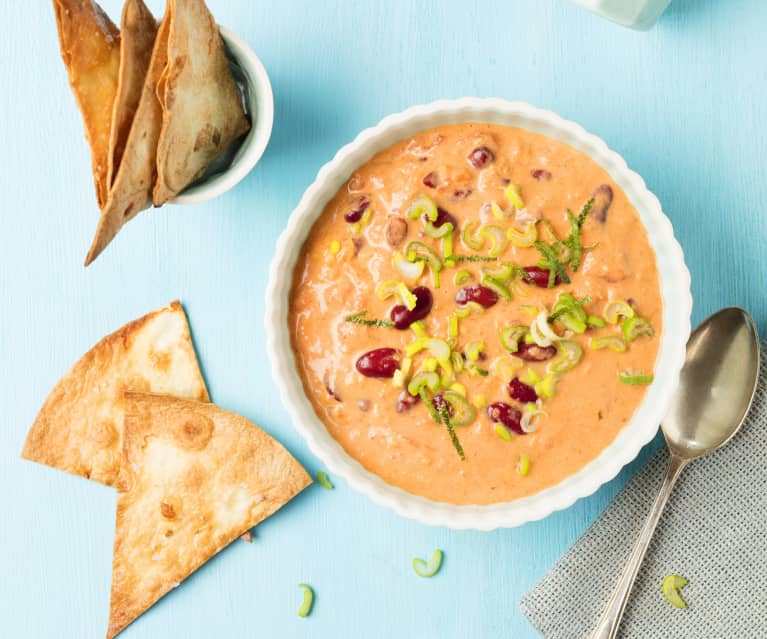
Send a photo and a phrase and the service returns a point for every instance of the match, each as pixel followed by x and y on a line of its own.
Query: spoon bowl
pixel 717 384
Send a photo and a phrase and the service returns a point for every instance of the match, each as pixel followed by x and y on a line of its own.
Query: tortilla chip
pixel 79 428
pixel 131 191
pixel 90 48
pixel 197 477
pixel 137 33
pixel 202 111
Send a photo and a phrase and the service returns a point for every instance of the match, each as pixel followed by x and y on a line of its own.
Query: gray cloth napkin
pixel 713 532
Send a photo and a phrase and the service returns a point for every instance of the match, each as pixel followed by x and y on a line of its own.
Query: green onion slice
pixel 419 251
pixel 324 481
pixel 423 205
pixel 428 379
pixel 306 605
pixel 635 378
pixel 499 213
pixel 473 349
pixel 470 237
pixel 523 466
pixel 388 288
pixel 570 354
pixel 547 387
pixel 495 285
pixel 462 276
pixel 511 335
pixel 670 588
pixel 503 432
pixel 514 196
pixel 410 270
pixel 613 342
pixel 423 569
pixel 596 322
pixel 616 309
pixel 633 327
pixel 502 273
pixel 525 237
pixel 438 231
pixel 463 412
pixel 497 237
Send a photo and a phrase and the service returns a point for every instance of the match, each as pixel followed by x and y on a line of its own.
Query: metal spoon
pixel 716 388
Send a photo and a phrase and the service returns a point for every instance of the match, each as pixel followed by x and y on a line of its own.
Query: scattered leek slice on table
pixel 423 569
pixel 324 481
pixel 670 588
pixel 306 605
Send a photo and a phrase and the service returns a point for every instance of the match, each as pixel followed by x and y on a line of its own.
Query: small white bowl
pixel 260 106
pixel 674 284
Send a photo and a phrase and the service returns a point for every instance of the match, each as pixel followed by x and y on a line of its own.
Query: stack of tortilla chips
pixel 159 102
pixel 134 413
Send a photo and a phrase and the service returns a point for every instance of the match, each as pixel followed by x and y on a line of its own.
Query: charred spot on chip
pixel 104 432
pixel 195 432
pixel 170 507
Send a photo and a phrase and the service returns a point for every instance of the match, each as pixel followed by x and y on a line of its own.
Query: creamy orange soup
pixel 461 334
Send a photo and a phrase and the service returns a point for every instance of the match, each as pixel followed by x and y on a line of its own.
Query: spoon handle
pixel 607 628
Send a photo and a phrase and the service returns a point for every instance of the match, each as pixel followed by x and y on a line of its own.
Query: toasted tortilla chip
pixel 137 34
pixel 202 111
pixel 79 428
pixel 131 191
pixel 90 48
pixel 196 478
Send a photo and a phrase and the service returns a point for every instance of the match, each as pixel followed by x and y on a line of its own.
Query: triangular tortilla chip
pixel 79 428
pixel 90 48
pixel 137 33
pixel 131 191
pixel 202 111
pixel 198 477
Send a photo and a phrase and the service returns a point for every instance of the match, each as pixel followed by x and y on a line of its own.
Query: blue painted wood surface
pixel 685 104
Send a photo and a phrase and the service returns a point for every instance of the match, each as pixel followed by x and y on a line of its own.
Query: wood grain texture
pixel 684 104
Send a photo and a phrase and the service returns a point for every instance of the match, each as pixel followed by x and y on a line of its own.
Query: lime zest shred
pixel 306 605
pixel 324 481
pixel 670 588
pixel 523 465
pixel 359 318
pixel 444 414
pixel 426 570
pixel 473 258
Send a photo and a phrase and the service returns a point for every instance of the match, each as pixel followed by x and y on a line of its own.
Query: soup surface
pixel 476 313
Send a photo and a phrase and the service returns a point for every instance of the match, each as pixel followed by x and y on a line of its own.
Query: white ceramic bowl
pixel 675 290
pixel 260 106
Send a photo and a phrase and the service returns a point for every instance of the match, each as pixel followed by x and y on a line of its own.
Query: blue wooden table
pixel 685 104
